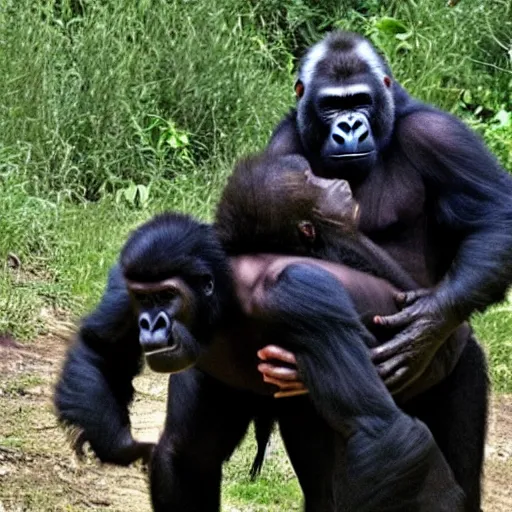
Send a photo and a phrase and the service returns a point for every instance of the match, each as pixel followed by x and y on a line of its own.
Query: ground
pixel 39 473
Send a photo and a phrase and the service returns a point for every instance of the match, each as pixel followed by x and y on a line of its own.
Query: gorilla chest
pixel 393 215
pixel 232 356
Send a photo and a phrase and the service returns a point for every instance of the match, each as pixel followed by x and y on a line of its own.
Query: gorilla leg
pixel 206 421
pixel 455 410
pixel 310 444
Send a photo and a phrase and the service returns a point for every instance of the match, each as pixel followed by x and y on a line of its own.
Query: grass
pixel 275 490
pixel 494 328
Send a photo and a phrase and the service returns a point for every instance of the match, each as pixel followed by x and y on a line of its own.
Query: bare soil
pixel 39 473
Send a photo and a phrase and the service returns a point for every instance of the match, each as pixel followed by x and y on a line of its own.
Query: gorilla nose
pixel 350 136
pixel 154 331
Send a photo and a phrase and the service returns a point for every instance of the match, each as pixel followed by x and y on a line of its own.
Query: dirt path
pixel 38 472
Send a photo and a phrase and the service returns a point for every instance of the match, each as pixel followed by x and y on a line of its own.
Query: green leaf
pixel 119 195
pixel 467 97
pixel 405 46
pixel 183 138
pixel 143 194
pixel 130 193
pixel 503 117
pixel 403 36
pixel 388 25
pixel 173 141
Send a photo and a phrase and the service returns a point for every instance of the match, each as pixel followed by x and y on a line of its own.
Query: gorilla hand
pixel 286 378
pixel 127 450
pixel 425 324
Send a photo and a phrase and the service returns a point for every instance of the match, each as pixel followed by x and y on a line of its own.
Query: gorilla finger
pixel 396 383
pixel 412 296
pixel 275 352
pixel 286 394
pixel 399 319
pixel 392 366
pixel 399 298
pixel 278 372
pixel 284 385
pixel 391 348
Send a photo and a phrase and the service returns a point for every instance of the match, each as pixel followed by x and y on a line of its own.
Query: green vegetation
pixel 111 111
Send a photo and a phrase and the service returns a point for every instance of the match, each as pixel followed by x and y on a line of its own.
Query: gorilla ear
pixel 307 230
pixel 208 285
pixel 299 89
pixel 387 81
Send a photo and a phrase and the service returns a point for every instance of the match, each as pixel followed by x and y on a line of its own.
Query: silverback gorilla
pixel 431 196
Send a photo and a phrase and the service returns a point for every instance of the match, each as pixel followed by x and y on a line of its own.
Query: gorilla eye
pixel 144 299
pixel 166 296
pixel 342 103
pixel 362 100
pixel 208 286
pixel 299 89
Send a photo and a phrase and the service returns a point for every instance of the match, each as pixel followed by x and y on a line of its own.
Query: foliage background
pixel 111 111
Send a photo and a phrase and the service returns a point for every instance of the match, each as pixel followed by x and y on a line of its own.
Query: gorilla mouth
pixel 172 359
pixel 350 156
pixel 171 348
pixel 176 357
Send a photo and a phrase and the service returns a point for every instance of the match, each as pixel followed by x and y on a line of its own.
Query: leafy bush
pixel 133 90
pixel 98 97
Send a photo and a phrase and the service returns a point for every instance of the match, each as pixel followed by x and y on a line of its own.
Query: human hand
pixel 286 378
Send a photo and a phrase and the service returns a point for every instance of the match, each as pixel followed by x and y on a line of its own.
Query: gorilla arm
pixel 369 295
pixel 95 386
pixel 472 201
pixel 285 140
pixel 388 460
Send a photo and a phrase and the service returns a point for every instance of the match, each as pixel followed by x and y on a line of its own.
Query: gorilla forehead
pixel 171 244
pixel 340 56
pixel 340 67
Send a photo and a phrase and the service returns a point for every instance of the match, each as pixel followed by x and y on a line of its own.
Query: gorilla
pixel 433 197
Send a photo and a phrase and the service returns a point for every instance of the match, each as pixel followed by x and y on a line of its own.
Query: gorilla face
pixel 178 278
pixel 345 110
